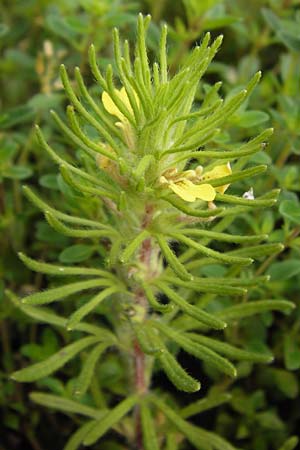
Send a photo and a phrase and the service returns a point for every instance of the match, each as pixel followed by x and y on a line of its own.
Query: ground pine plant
pixel 159 192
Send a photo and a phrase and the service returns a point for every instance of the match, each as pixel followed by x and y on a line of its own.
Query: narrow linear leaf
pixel 142 166
pixel 199 351
pixel 72 136
pixel 87 116
pixel 96 147
pixel 145 339
pixel 206 135
pixel 255 203
pixel 218 154
pixel 229 350
pixel 176 374
pixel 224 257
pixel 257 251
pixel 52 269
pixel 153 301
pixel 44 315
pixel 124 74
pixel 214 120
pixel 290 444
pixel 210 285
pixel 163 55
pixel 76 438
pixel 253 146
pixel 43 206
pixel 212 401
pixel 217 283
pixel 85 309
pixel 58 293
pixel 224 237
pixel 234 211
pixel 201 439
pixel 203 111
pixel 101 113
pixel 141 50
pixel 255 307
pixel 172 260
pixel 149 430
pixel 95 69
pixel 253 82
pixel 65 405
pixel 111 90
pixel 193 311
pixel 85 377
pixel 55 362
pixel 133 246
pixel 237 176
pixel 72 232
pixel 255 281
pixel 58 160
pixel 192 211
pixel 85 188
pixel 110 419
pixel 172 441
pixel 259 140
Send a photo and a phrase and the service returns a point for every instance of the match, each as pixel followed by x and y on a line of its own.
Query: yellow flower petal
pixel 219 172
pixel 189 191
pixel 122 94
pixel 110 106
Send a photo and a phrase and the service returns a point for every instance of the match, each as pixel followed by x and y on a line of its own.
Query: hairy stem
pixel 140 378
pixel 141 388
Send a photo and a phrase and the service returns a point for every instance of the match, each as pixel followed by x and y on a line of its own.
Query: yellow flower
pixel 182 184
pixel 190 192
pixel 218 172
pixel 112 108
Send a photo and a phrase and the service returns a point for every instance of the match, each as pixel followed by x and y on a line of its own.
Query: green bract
pixel 161 218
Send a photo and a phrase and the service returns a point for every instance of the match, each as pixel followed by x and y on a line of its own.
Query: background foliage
pixel 35 37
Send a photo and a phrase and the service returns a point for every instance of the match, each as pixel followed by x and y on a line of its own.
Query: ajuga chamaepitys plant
pixel 158 190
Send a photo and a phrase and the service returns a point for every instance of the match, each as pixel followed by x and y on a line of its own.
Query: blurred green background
pixel 36 36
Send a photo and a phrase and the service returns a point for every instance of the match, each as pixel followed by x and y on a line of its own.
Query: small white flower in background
pixel 249 195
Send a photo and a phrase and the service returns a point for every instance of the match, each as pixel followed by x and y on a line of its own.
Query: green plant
pixel 157 222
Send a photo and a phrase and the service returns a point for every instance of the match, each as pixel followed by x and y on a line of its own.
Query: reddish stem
pixel 139 376
pixel 141 388
pixel 140 381
pixel 145 254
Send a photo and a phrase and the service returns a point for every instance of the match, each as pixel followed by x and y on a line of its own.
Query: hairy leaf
pixel 55 362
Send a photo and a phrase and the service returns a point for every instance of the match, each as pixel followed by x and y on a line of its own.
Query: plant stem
pixel 140 378
pixel 139 358
pixel 141 388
